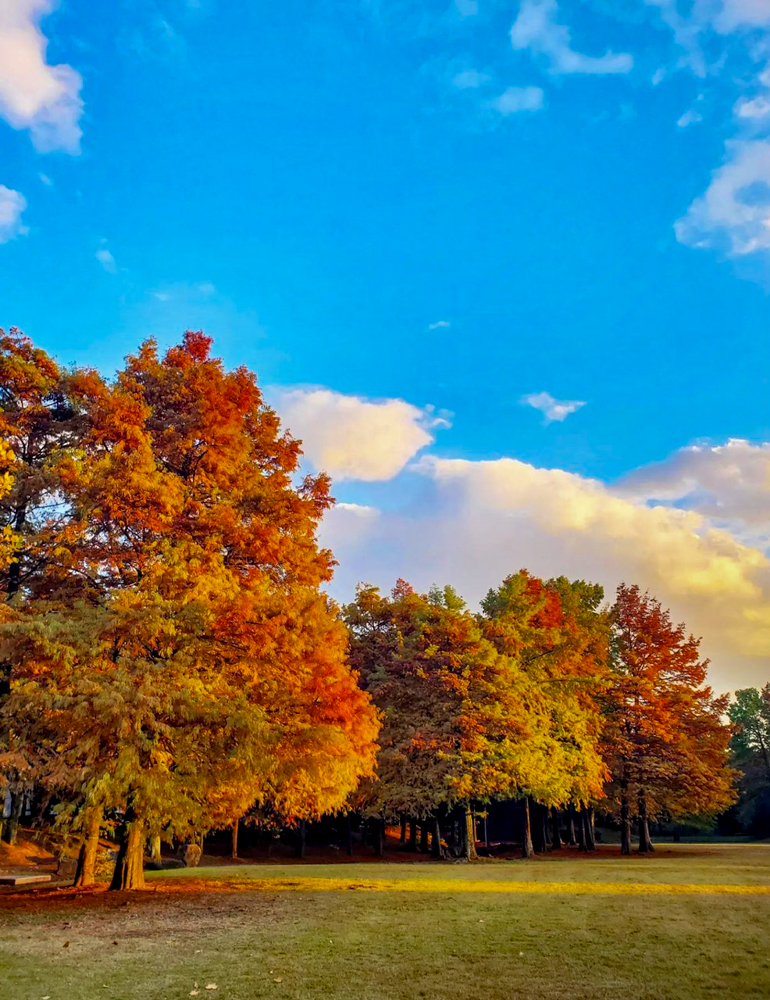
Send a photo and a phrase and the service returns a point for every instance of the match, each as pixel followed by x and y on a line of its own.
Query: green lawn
pixel 279 931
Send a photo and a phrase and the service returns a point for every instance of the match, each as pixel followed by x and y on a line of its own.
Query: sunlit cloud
pixel 485 519
pixel 352 437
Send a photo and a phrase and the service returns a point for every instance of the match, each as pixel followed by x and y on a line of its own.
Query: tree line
pixel 170 662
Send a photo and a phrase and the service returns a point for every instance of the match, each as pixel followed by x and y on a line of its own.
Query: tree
pixel 665 740
pixel 557 635
pixel 199 669
pixel 457 724
pixel 750 747
pixel 39 423
pixel 36 423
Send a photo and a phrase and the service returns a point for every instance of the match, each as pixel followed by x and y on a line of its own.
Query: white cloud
pixel 757 107
pixel 516 99
pixel 106 259
pixel 730 483
pixel 551 408
pixel 441 324
pixel 12 204
pixel 734 211
pixel 34 95
pixel 537 29
pixel 483 520
pixel 45 179
pixel 207 288
pixel 351 437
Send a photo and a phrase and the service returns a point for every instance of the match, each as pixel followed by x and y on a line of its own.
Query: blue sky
pixel 459 205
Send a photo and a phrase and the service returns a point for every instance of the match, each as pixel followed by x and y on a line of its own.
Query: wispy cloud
pixel 470 79
pixel 516 99
pixel 12 205
pixel 106 259
pixel 440 324
pixel 733 214
pixel 554 410
pixel 536 28
pixel 691 117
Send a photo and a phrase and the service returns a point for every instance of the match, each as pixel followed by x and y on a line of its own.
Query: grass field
pixel 689 923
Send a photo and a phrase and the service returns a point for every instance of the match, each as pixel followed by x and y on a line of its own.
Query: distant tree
pixel 665 739
pixel 750 746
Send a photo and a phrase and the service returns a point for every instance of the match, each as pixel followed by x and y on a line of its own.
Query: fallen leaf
pixel 211 986
pixel 194 993
pixel 66 944
pixel 278 980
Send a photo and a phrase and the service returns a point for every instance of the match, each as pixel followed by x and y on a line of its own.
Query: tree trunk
pixel 379 836
pixel 424 836
pixel 435 846
pixel 155 848
pixel 527 850
pixel 571 838
pixel 542 812
pixel 301 835
pixel 580 830
pixel 625 820
pixel 348 836
pixel 486 829
pixel 234 840
pixel 402 837
pixel 645 843
pixel 555 832
pixel 470 835
pixel 11 827
pixel 537 825
pixel 85 873
pixel 412 844
pixel 588 828
pixel 129 867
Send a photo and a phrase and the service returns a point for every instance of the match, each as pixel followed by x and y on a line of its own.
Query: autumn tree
pixel 200 669
pixel 37 423
pixel 557 635
pixel 665 739
pixel 455 716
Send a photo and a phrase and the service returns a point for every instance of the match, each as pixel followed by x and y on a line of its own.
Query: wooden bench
pixel 23 879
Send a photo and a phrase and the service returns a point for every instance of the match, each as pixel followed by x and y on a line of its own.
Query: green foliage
pixel 750 746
